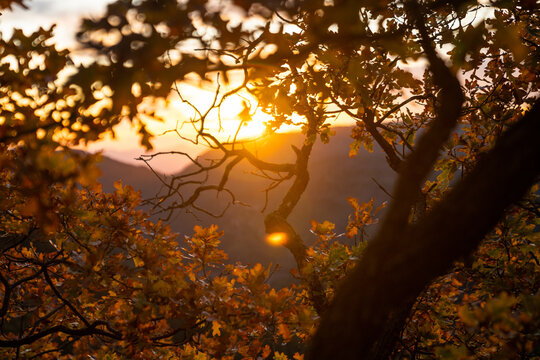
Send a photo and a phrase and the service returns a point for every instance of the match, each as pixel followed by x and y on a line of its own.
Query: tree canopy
pixel 447 89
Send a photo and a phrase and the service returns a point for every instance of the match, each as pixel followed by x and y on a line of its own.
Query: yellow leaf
pixel 216 326
pixel 118 185
pixel 353 202
pixel 138 261
pixel 284 331
pixel 266 351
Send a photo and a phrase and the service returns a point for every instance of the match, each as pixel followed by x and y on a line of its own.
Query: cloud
pixel 66 15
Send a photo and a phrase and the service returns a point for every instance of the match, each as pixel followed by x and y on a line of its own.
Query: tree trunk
pixel 395 269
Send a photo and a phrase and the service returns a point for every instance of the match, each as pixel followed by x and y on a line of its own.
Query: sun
pixel 244 130
pixel 277 238
pixel 238 120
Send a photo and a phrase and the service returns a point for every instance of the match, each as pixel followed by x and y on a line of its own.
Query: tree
pixel 305 63
pixel 85 272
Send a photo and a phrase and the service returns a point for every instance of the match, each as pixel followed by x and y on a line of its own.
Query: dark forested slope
pixel 333 178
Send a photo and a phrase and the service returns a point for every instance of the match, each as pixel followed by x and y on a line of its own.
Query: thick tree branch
pixel 393 271
pixel 399 106
pixel 294 243
pixel 371 126
pixel 276 221
pixel 391 157
pixel 420 162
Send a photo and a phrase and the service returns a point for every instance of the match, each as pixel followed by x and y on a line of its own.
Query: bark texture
pixel 395 269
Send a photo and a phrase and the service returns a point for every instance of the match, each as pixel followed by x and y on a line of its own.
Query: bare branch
pixel 87 331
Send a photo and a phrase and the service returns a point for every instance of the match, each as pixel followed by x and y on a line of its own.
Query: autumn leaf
pixel 216 328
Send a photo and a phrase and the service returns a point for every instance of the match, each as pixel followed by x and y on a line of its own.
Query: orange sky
pixel 66 15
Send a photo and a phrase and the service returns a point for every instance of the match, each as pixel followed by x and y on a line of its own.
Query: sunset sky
pixel 66 15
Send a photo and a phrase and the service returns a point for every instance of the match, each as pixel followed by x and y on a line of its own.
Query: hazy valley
pixel 334 177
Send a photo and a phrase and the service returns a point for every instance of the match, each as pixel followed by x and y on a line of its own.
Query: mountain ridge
pixel 334 177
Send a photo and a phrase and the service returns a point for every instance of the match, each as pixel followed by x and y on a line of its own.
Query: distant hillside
pixel 333 177
pixel 139 177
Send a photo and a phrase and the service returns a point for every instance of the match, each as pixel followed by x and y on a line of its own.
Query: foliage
pixel 85 272
pixel 488 305
pixel 109 282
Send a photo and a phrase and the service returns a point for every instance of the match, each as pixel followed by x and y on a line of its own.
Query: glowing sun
pixel 277 238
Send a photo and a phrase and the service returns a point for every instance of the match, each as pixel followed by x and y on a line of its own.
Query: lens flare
pixel 277 238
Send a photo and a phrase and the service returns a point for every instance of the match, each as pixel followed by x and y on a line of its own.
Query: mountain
pixel 333 178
